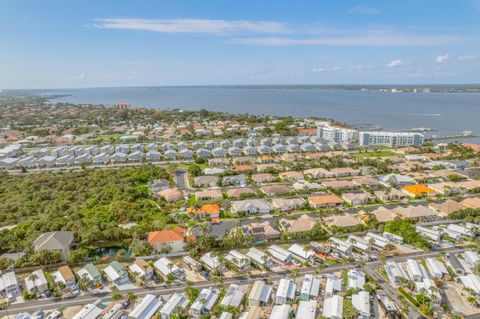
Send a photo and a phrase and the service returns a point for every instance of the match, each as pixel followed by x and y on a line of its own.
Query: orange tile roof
pixel 162 236
pixel 66 272
pixel 325 199
pixel 242 168
pixel 418 189
pixel 209 209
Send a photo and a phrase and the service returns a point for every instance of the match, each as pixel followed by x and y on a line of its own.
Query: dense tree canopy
pixel 92 203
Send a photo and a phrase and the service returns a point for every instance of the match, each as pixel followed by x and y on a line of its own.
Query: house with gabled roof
pixel 60 241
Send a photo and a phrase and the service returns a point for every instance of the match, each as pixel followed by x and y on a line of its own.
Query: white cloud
pixel 442 58
pixel 363 10
pixel 466 58
pixel 207 26
pixel 395 64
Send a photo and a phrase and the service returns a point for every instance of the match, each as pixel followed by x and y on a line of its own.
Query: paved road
pixel 32 306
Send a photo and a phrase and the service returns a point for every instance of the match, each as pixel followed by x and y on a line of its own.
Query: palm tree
pixel 33 279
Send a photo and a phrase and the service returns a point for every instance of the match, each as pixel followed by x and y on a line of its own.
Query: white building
pixel 36 282
pixel 341 246
pixel 259 257
pixel 9 284
pixel 238 259
pixel 413 269
pixel 177 300
pixel 233 296
pixel 436 268
pixel 333 307
pixel 211 261
pixel 280 254
pixel 260 294
pixel 301 253
pixel 205 302
pixel 361 302
pixel 280 312
pixel 146 309
pixel 167 268
pixel 392 139
pixel 336 134
pixel 356 279
pixel 307 309
pixel 285 291
pixel 310 287
pixel 377 240
pixel 90 311
pixel 333 285
pixel 395 272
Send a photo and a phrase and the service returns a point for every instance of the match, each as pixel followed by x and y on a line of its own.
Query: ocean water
pixel 448 113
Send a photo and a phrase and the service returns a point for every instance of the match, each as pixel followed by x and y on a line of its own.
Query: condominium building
pixel 392 139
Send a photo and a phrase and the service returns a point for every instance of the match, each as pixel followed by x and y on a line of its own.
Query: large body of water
pixel 449 113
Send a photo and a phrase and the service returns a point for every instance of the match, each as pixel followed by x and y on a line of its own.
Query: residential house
pixel 280 312
pixel 259 257
pixel 263 178
pixel 208 195
pixel 170 195
pixel 287 204
pixel 36 283
pixel 167 240
pixel 176 301
pixel 419 190
pixel 211 261
pixel 251 206
pixel 60 241
pixel 285 291
pixel 9 284
pixel 280 255
pixel 168 269
pixel 233 296
pixel 261 230
pixel 291 176
pixel 301 224
pixel 259 294
pixel 356 199
pixel 325 201
pixel 272 190
pixel 141 269
pixel 307 309
pixel 333 307
pixel 90 273
pixel 205 302
pixel 238 192
pixel 116 273
pixel 239 260
pixel 208 210
pixel 310 287
pixel 146 308
pixel 205 181
pixel 361 302
pixel 65 276
pixel 238 180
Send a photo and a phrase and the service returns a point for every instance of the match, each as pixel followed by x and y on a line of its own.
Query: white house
pixel 333 307
pixel 238 259
pixel 166 268
pixel 146 308
pixel 279 254
pixel 310 287
pixel 205 302
pixel 260 294
pixel 177 300
pixel 285 291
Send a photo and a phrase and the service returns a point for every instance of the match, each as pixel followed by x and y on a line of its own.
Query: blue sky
pixel 87 43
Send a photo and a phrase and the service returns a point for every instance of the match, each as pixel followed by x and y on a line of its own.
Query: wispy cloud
pixel 364 10
pixel 395 64
pixel 206 26
pixel 274 33
pixel 442 58
pixel 466 58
